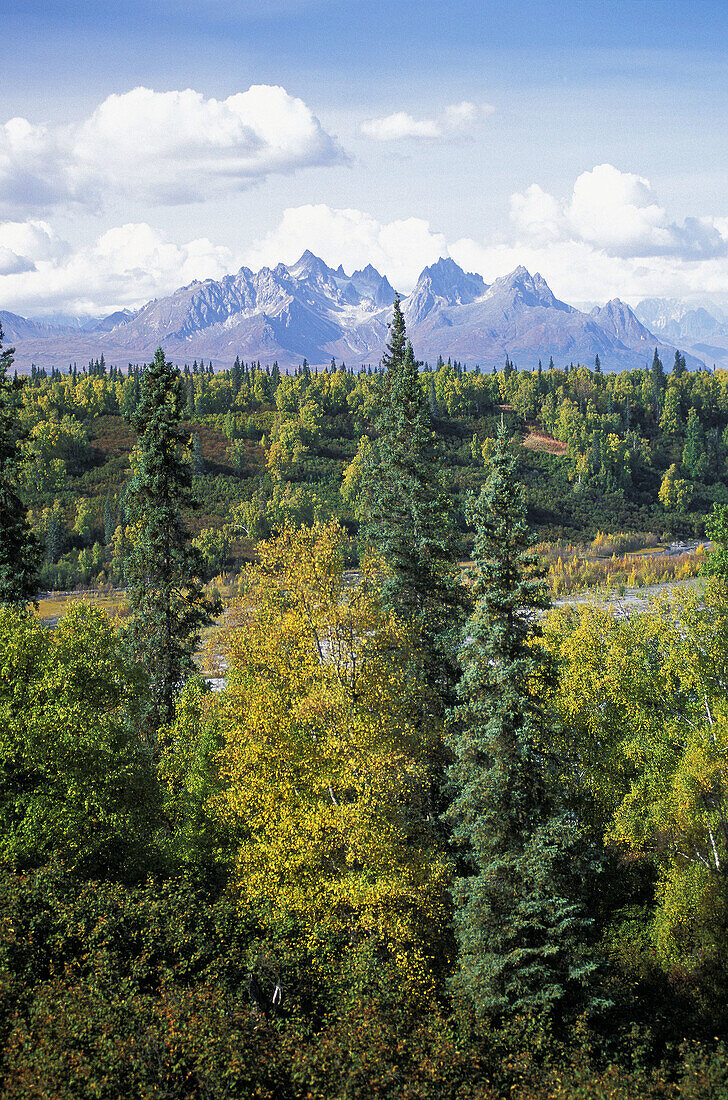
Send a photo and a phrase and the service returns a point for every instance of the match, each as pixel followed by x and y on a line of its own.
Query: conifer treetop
pixel 519 927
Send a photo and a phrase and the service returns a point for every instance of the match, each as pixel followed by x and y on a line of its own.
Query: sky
pixel 143 145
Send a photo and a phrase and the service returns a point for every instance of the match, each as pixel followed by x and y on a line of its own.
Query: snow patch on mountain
pixel 309 309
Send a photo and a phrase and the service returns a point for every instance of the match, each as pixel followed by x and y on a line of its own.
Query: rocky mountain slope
pixel 311 310
pixel 699 325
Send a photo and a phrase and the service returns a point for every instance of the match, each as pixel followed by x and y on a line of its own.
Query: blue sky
pixel 465 128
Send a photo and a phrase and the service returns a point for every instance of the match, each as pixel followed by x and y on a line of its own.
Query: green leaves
pixel 19 550
pixel 407 521
pixel 75 784
pixel 168 605
pixel 324 774
pixel 643 700
pixel 520 926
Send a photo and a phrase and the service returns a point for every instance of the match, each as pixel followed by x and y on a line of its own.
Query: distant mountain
pixel 618 319
pixel 678 319
pixel 520 316
pixel 440 287
pixel 698 326
pixel 310 310
pixel 106 324
pixel 17 329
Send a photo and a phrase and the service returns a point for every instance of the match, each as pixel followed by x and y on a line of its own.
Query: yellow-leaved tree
pixel 323 778
pixel 645 719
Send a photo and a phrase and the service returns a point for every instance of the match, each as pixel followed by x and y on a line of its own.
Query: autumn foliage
pixel 429 840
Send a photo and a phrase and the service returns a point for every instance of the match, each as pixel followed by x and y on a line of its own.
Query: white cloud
pixel 398 249
pixel 398 126
pixel 536 214
pixel 617 212
pixel 162 147
pixel 609 238
pixel 32 241
pixel 126 266
pixel 34 168
pixel 576 243
pixel 574 270
pixel 22 244
pixel 456 118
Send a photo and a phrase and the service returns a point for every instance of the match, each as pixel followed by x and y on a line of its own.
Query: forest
pixel 434 837
pixel 637 452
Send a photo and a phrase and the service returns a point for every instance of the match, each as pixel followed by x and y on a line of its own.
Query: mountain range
pixel 701 326
pixel 310 310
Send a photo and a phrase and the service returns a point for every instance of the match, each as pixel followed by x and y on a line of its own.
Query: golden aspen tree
pixel 644 710
pixel 324 776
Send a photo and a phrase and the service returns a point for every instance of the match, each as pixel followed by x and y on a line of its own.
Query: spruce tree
pixel 517 924
pixel 408 521
pixel 658 383
pixel 198 461
pixel 694 457
pixel 168 606
pixel 20 553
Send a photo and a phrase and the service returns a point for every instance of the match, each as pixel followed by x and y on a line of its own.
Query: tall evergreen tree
pixel 679 366
pixel 198 461
pixel 695 458
pixel 658 383
pixel 235 376
pixel 19 550
pixel 168 606
pixel 432 397
pixel 517 927
pixel 408 520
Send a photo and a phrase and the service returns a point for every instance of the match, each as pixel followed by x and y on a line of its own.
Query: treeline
pixel 642 451
pixel 429 840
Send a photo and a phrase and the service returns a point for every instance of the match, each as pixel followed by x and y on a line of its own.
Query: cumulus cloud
pixel 610 237
pixel 126 266
pixel 619 213
pixel 455 119
pixel 34 167
pixel 537 214
pixel 32 241
pixel 23 244
pixel 398 249
pixel 163 147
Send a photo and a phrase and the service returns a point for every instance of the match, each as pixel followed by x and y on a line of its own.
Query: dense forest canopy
pixel 642 450
pixel 432 837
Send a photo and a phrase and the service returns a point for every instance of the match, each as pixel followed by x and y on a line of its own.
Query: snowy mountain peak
pixel 312 310
pixel 310 266
pixel 373 286
pixel 620 321
pixel 522 289
pixel 448 281
pixel 442 285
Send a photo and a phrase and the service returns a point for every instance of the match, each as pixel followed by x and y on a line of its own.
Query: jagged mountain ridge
pixel 310 310
pixel 701 325
pixel 17 328
pixel 682 319
pixel 618 319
